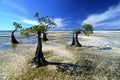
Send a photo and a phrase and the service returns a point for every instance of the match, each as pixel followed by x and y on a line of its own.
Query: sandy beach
pixel 97 59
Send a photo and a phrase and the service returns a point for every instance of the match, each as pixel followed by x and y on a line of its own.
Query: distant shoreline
pixel 62 30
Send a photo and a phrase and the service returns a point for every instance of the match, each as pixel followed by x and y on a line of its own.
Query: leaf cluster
pixel 17 25
pixel 77 31
pixel 45 21
pixel 88 29
pixel 34 29
pixel 44 24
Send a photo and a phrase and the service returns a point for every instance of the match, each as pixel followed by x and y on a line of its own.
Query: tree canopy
pixel 88 29
pixel 44 24
pixel 17 25
pixel 78 31
pixel 45 21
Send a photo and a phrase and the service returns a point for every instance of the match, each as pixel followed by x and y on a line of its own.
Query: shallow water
pixel 111 38
pixel 13 58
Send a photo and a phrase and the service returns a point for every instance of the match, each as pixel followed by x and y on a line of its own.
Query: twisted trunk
pixel 75 41
pixel 77 44
pixel 44 36
pixel 39 59
pixel 13 39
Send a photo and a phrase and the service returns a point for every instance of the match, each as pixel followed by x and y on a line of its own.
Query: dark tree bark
pixel 75 41
pixel 44 36
pixel 39 59
pixel 77 44
pixel 13 39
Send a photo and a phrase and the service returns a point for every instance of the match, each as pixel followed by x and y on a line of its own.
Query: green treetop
pixel 88 29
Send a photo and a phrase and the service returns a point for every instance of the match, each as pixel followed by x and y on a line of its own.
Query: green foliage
pixel 25 31
pixel 78 31
pixel 88 29
pixel 36 14
pixel 45 21
pixel 17 25
pixel 44 24
pixel 33 29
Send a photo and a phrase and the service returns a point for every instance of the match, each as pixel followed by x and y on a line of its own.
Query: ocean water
pixel 5 39
pixel 115 40
pixel 111 38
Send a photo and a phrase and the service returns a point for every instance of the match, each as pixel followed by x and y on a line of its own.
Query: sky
pixel 67 14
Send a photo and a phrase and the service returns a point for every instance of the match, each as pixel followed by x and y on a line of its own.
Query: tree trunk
pixel 44 36
pixel 77 44
pixel 39 59
pixel 13 40
pixel 75 41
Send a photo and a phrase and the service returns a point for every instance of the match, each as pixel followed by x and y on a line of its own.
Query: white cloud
pixel 60 22
pixel 110 18
pixel 31 22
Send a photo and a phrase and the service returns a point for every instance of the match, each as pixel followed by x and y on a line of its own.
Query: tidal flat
pixel 97 59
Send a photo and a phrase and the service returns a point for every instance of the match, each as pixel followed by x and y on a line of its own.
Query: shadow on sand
pixel 85 67
pixel 99 48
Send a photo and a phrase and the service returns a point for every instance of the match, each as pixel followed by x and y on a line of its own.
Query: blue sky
pixel 68 14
